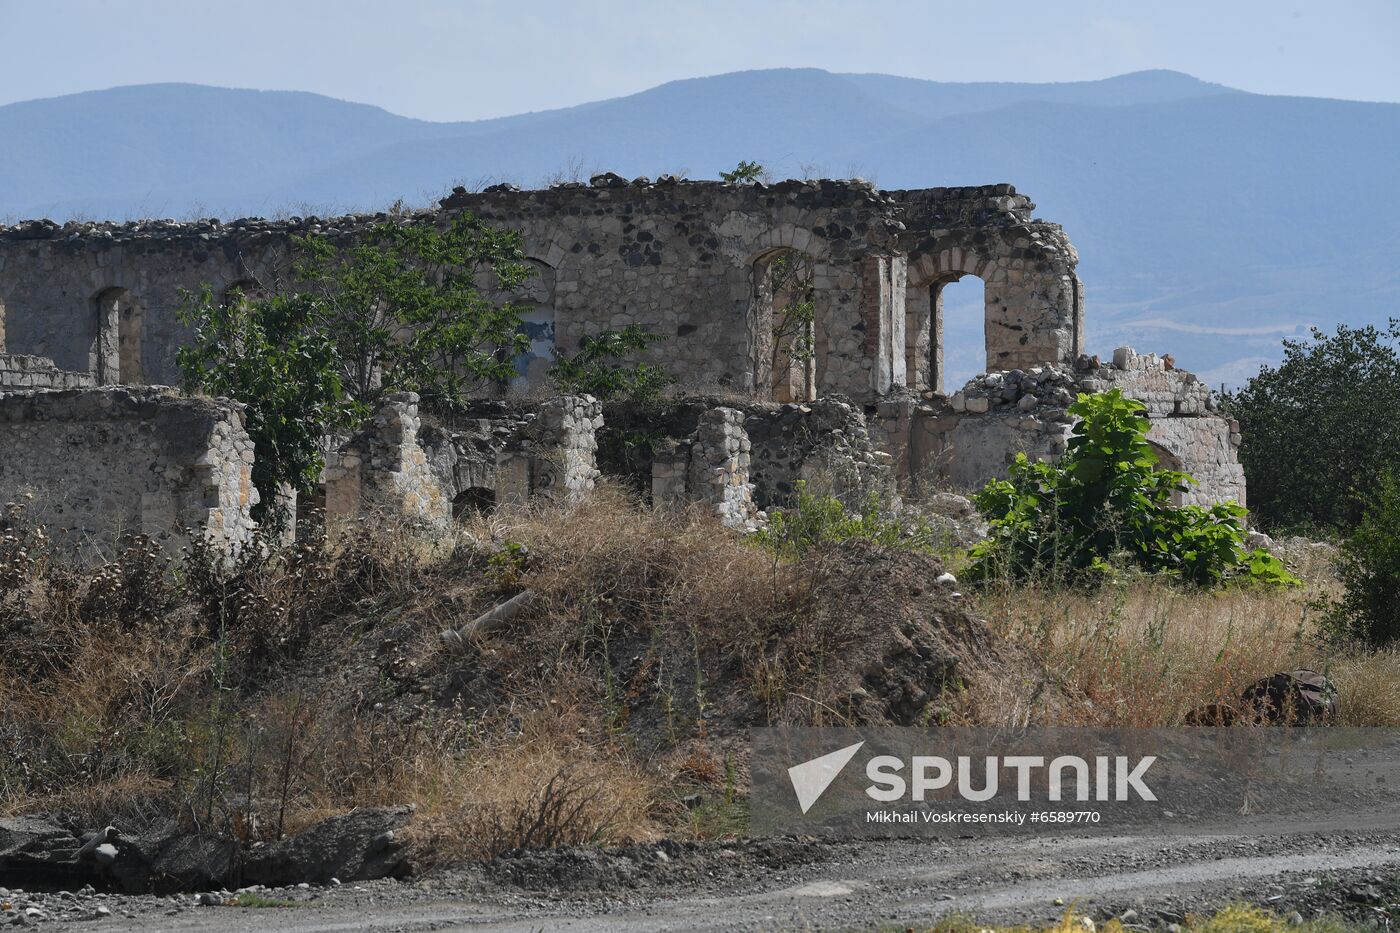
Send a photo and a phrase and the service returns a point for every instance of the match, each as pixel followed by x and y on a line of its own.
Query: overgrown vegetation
pixel 745 173
pixel 603 367
pixel 1369 607
pixel 253 699
pixel 814 521
pixel 1236 918
pixel 1319 430
pixel 399 310
pixel 1106 503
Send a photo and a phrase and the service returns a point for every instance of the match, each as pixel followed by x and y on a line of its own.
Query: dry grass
pixel 1146 652
pixel 257 700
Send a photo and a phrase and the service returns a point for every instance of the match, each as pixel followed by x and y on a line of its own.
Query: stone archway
pixel 785 306
pixel 926 345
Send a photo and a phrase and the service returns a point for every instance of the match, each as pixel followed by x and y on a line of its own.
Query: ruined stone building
pixel 86 305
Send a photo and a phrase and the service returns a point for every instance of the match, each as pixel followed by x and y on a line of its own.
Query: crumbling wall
pixel 712 467
pixel 824 443
pixel 1184 421
pixel 681 259
pixel 95 464
pixel 1034 304
pixel 21 371
pixel 383 470
pixel 556 455
pixel 976 434
pixel 497 453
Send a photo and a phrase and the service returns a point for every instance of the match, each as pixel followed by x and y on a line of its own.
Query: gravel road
pixel 1151 881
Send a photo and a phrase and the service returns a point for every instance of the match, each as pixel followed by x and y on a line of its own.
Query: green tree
pixel 599 367
pixel 1369 609
pixel 399 309
pixel 405 310
pixel 1320 429
pixel 277 356
pixel 1106 501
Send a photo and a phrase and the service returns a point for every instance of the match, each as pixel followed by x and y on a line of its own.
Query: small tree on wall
pixel 398 310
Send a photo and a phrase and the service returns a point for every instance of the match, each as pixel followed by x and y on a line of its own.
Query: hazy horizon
pixel 450 61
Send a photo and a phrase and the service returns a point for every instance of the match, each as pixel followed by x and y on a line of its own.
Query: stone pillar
pixel 383 469
pixel 563 446
pixel 719 468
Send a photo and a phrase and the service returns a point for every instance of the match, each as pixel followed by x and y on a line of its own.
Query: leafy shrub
pixel 597 368
pixel 813 520
pixel 1369 609
pixel 745 173
pixel 1320 428
pixel 1106 500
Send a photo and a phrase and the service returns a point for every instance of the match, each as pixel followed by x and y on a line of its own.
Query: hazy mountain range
pixel 1210 222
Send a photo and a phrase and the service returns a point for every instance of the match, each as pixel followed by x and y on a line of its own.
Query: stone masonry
pixel 711 467
pixel 683 259
pixel 974 435
pixel 690 261
pixel 382 470
pixel 96 464
pixel 396 466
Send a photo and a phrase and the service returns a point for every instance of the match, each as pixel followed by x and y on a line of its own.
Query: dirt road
pixel 1317 870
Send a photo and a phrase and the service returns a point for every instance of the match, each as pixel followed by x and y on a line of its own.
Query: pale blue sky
pixel 446 60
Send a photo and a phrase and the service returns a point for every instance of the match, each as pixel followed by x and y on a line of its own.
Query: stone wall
pixel 712 468
pixel 824 443
pixel 95 464
pixel 494 453
pixel 20 371
pixel 555 457
pixel 682 259
pixel 1034 301
pixel 977 432
pixel 383 470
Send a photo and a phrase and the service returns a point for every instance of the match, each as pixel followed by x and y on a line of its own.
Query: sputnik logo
pixel 811 778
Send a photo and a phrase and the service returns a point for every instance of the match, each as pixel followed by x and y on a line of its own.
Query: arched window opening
pixel 945 325
pixel 117 350
pixel 784 282
pixel 961 338
pixel 472 500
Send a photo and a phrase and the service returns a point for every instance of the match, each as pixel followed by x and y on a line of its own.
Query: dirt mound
pixel 917 652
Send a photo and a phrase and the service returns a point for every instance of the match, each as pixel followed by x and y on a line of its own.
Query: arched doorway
pixel 116 353
pixel 473 499
pixel 788 351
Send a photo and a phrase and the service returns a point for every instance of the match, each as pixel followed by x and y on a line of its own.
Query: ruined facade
pixel 685 260
pixel 706 266
pixel 94 465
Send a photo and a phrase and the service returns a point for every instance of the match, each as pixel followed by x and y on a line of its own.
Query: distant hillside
pixel 1210 222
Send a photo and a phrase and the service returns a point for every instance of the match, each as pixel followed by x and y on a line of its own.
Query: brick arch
pixel 923 320
pixel 954 262
pixel 788 236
